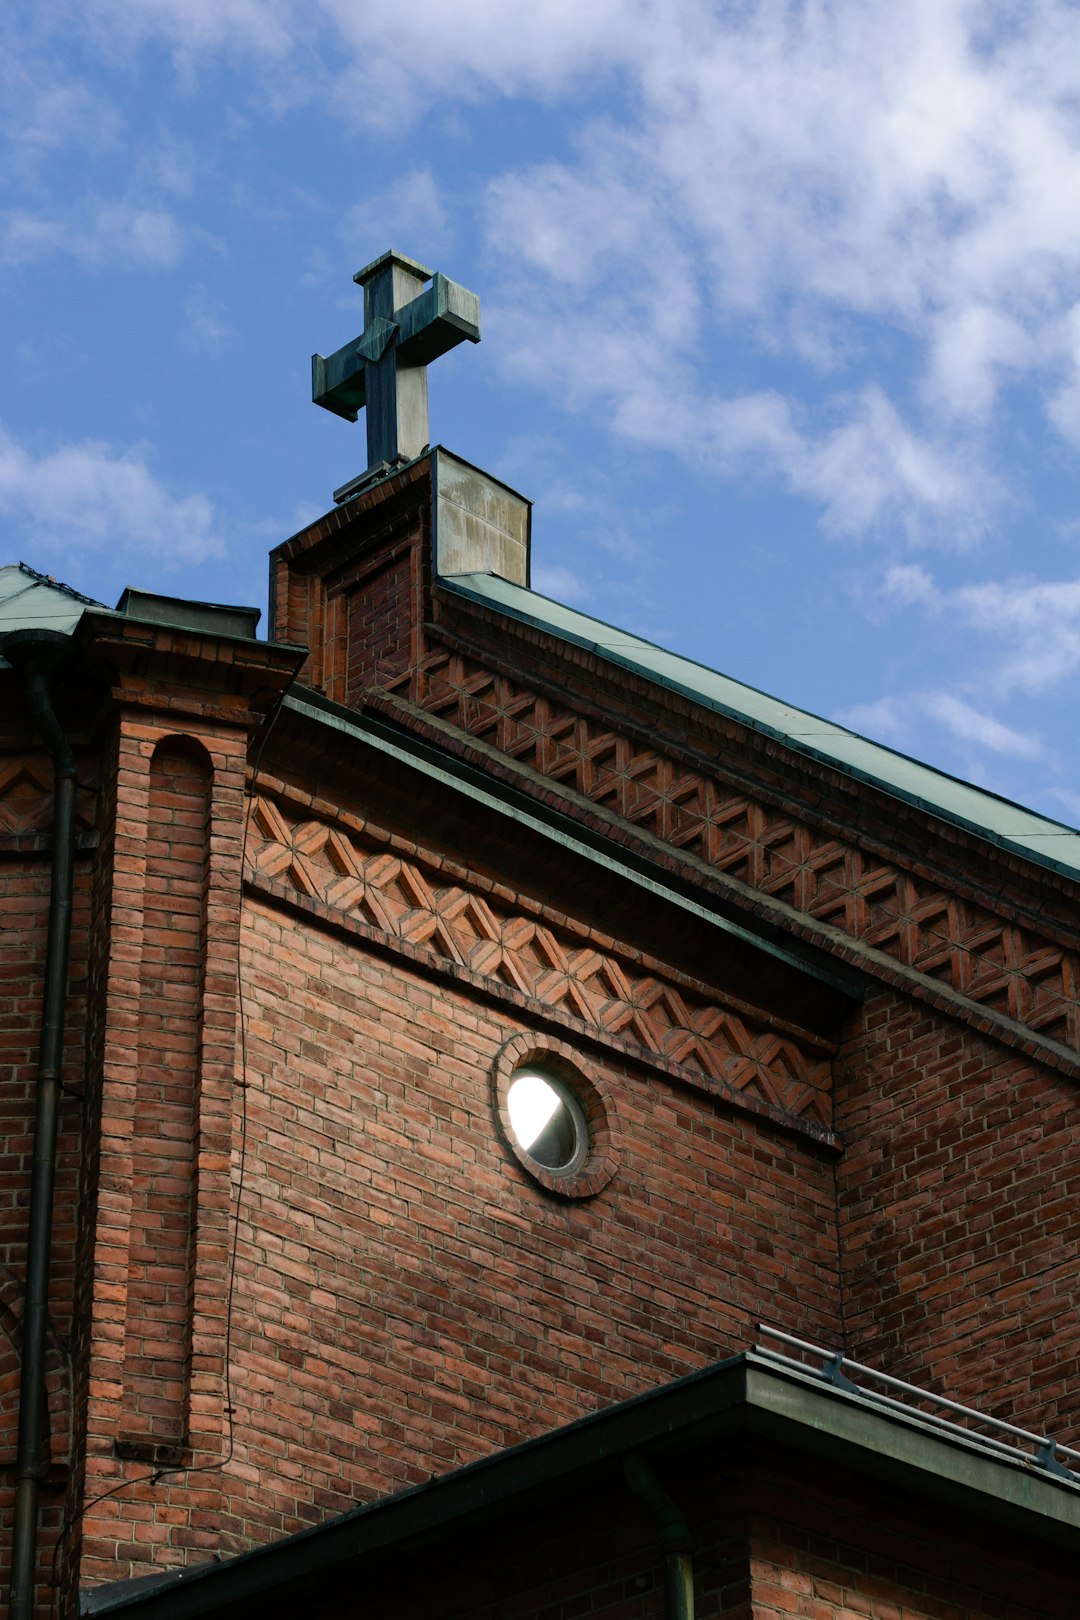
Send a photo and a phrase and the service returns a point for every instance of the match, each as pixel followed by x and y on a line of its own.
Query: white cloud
pixel 1065 402
pixel 906 584
pixel 1028 630
pixel 410 213
pixel 382 69
pixel 822 168
pixel 875 472
pixel 869 471
pixel 113 235
pixel 89 496
pixel 194 27
pixel 896 719
pixel 1036 623
pixel 969 724
pixel 796 176
pixel 56 115
pixel 972 351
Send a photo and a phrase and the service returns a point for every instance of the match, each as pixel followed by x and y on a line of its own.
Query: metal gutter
pixel 746 1394
pixel 406 750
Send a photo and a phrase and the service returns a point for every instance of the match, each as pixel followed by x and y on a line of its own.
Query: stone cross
pixel 385 369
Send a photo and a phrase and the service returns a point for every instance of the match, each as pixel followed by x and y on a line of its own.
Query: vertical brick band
pixel 158 1324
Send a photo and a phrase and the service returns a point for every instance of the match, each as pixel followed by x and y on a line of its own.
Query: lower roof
pixel 749 1393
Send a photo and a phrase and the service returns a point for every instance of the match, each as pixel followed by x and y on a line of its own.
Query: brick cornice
pixel 165 667
pixel 743 757
pixel 1009 973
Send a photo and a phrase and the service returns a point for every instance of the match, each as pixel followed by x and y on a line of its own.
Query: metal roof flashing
pixel 747 1393
pixel 182 613
pixel 976 810
pixel 29 600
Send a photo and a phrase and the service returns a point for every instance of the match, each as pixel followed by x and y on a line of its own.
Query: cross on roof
pixel 385 369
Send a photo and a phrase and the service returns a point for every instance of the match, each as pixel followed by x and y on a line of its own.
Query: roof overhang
pixel 837 985
pixel 746 1395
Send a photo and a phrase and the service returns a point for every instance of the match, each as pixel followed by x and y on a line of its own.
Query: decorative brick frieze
pixel 994 962
pixel 463 922
pixel 26 800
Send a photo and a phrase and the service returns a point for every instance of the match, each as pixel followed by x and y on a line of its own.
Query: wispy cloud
pixel 796 174
pixel 114 235
pixel 409 210
pixel 561 583
pixel 896 719
pixel 205 324
pixel 829 174
pixel 90 496
pixel 1028 630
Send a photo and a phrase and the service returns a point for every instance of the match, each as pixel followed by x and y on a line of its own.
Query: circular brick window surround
pixel 552 1116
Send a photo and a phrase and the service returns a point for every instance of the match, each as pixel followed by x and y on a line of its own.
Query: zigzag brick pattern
pixel 991 961
pixel 408 900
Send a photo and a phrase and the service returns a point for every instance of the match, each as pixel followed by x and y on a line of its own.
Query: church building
pixel 500 1121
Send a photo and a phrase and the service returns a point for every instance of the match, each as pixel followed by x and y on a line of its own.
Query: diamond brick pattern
pixel 991 961
pixel 27 797
pixel 406 900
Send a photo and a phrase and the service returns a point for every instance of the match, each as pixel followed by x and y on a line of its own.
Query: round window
pixel 547 1121
pixel 552 1116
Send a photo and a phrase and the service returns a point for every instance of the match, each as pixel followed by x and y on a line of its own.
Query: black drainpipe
pixel 674 1537
pixel 37 653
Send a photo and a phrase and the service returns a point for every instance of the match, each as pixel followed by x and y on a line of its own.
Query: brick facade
pixel 829 1047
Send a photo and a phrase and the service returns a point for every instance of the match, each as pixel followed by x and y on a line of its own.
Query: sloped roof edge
pixel 29 600
pixel 1010 826
pixel 503 800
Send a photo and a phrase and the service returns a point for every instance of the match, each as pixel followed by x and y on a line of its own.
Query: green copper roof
pixel 1001 822
pixel 33 601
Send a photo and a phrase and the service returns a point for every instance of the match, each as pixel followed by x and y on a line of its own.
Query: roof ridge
pixel 58 585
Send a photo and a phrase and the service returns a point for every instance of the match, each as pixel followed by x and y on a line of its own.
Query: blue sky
pixel 781 309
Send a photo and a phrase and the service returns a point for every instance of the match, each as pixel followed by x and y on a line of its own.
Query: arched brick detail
pixel 157 1338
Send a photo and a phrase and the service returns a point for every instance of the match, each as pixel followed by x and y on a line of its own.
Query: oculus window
pixel 552 1114
pixel 547 1121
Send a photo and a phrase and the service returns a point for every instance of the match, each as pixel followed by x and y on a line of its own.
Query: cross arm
pixel 438 319
pixel 337 380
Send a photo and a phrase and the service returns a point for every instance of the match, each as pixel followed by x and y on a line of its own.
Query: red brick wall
pixel 347 587
pixel 162 1101
pixel 959 1195
pixel 827 1546
pixel 408 1299
pixel 382 614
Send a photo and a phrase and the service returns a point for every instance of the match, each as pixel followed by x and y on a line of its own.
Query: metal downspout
pixel 37 653
pixel 674 1536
